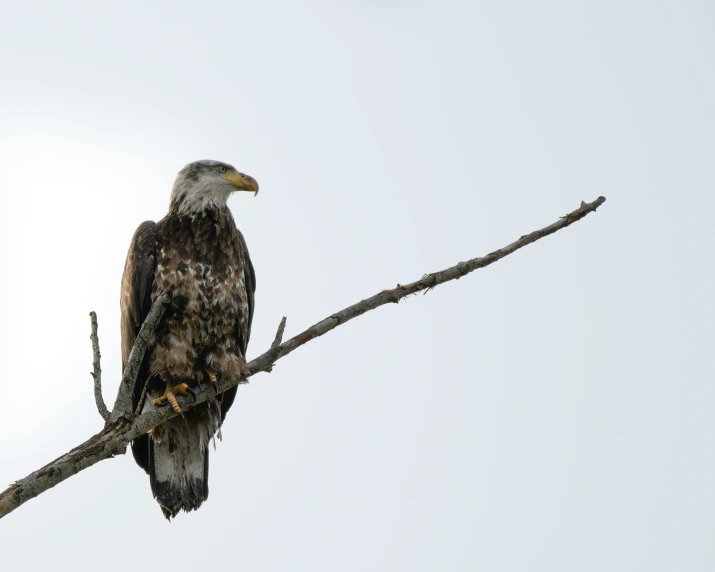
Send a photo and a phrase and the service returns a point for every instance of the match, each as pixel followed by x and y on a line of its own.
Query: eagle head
pixel 207 184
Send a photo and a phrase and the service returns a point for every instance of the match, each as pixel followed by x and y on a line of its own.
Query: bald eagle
pixel 197 254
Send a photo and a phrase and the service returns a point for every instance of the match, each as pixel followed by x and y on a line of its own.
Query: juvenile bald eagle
pixel 198 255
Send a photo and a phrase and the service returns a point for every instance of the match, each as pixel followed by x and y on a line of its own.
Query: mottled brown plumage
pixel 196 253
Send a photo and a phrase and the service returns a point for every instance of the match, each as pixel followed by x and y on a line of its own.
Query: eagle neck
pixel 192 197
pixel 214 213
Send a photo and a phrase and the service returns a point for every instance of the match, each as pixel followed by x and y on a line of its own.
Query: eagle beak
pixel 242 182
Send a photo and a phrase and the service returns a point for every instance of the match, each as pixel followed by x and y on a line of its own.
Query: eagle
pixel 196 254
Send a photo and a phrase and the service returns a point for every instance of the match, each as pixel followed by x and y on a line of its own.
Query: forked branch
pixel 123 426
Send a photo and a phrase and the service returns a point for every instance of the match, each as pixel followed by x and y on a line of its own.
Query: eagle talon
pixel 170 394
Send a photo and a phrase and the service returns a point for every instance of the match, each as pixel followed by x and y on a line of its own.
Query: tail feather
pixel 179 463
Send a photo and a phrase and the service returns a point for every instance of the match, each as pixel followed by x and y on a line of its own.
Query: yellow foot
pixel 170 394
pixel 212 376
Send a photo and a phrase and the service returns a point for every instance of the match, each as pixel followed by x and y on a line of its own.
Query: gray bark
pixel 97 373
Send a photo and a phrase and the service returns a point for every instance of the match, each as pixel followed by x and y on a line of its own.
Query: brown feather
pixel 202 259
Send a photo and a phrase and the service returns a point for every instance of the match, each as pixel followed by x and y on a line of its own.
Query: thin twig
pixel 279 334
pixel 278 339
pixel 115 437
pixel 97 373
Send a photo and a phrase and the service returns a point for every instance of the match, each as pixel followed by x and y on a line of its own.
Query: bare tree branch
pixel 121 429
pixel 97 373
pixel 279 333
pixel 278 339
pixel 144 342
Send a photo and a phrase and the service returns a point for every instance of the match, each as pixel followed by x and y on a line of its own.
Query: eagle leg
pixel 212 375
pixel 170 394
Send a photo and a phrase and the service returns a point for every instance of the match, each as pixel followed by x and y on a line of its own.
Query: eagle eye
pixel 223 169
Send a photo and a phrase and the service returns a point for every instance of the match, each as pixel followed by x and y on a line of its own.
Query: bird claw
pixel 170 394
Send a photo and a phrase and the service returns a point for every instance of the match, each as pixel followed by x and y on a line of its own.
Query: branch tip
pixel 97 373
pixel 279 334
pixel 276 342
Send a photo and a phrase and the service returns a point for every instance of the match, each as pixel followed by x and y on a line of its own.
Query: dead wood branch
pixel 123 427
pixel 279 333
pixel 278 339
pixel 97 373
pixel 144 342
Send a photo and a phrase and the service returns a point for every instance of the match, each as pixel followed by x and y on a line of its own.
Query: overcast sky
pixel 550 413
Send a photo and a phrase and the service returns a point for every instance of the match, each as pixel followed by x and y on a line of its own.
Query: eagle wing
pixel 135 304
pixel 243 323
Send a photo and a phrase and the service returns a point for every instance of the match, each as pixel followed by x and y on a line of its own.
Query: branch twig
pixel 278 339
pixel 279 333
pixel 97 373
pixel 144 342
pixel 117 434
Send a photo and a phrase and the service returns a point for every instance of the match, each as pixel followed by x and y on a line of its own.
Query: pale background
pixel 552 412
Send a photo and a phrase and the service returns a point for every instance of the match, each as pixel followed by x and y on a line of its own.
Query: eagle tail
pixel 179 462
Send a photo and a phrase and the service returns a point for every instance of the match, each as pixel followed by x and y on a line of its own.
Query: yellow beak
pixel 242 182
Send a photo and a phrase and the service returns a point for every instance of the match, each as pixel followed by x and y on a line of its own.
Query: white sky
pixel 552 412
